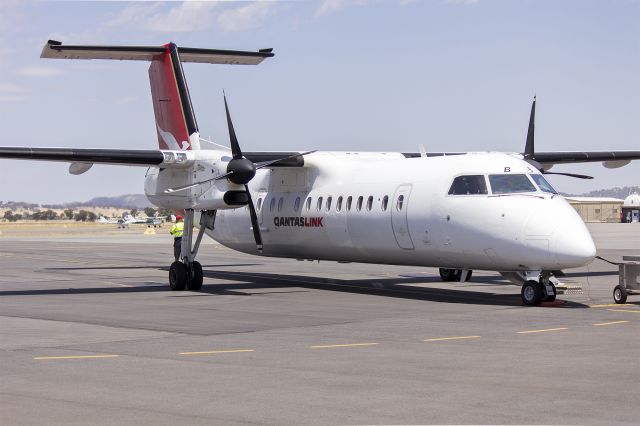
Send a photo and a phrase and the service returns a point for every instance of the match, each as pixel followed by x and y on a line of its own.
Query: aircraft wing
pixel 131 157
pixel 609 158
pixel 72 155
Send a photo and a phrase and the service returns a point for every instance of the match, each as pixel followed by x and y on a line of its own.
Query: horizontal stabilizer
pixel 56 50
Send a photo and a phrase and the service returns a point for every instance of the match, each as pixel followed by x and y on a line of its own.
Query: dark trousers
pixel 177 246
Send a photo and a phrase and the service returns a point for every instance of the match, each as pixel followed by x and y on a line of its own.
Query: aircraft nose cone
pixel 572 245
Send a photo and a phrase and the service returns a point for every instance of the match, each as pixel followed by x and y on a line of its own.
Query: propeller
pixel 529 148
pixel 240 170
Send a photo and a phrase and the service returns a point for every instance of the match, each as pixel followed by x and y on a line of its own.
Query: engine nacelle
pixel 195 187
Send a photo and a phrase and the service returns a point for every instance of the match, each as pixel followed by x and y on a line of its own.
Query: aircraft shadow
pixel 244 282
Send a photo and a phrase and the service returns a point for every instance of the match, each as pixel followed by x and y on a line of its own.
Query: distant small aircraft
pixel 105 221
pixel 456 211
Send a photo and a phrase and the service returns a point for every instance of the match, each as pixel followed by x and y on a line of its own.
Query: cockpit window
pixel 510 184
pixel 543 184
pixel 468 185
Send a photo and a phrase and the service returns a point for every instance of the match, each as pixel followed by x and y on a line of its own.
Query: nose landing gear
pixel 535 292
pixel 187 273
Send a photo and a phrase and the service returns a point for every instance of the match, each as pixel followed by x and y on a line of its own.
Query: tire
pixel 178 276
pixel 531 293
pixel 196 277
pixel 450 275
pixel 619 294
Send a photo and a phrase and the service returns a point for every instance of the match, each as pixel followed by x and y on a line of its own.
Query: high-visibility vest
pixel 177 230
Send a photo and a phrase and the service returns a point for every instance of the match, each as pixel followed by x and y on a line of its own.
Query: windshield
pixel 468 185
pixel 543 184
pixel 510 184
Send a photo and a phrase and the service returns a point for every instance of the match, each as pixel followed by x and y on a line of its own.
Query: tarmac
pixel 91 334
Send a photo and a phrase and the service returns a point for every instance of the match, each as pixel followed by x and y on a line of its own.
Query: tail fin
pixel 175 121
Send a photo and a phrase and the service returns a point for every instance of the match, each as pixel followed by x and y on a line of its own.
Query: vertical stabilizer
pixel 175 120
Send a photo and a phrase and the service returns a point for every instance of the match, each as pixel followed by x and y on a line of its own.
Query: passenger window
pixel 328 207
pixel 349 199
pixel 339 204
pixel 400 202
pixel 280 203
pixel 369 203
pixel 359 203
pixel 319 204
pixel 259 205
pixel 543 184
pixel 308 203
pixel 510 184
pixel 272 204
pixel 296 204
pixel 468 185
pixel 385 202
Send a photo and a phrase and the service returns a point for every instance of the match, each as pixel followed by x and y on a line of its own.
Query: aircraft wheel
pixel 531 293
pixel 450 274
pixel 619 294
pixel 196 277
pixel 178 276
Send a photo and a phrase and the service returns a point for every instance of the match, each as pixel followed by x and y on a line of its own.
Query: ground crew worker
pixel 177 230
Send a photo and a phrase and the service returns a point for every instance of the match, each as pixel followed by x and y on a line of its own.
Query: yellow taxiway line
pixel 346 345
pixel 543 330
pixel 633 311
pixel 74 357
pixel 227 351
pixel 439 339
pixel 609 323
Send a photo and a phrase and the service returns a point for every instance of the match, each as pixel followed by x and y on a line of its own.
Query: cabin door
pixel 399 220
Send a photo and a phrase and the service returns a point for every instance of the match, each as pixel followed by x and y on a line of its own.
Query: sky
pixel 368 75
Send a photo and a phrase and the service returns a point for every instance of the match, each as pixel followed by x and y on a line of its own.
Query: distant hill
pixel 616 192
pixel 128 201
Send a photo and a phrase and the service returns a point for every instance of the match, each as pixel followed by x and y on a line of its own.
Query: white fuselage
pixel 418 224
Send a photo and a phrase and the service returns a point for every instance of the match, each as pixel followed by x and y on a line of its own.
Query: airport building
pixel 631 209
pixel 599 209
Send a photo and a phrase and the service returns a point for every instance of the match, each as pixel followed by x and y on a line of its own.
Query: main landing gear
pixel 535 292
pixel 460 275
pixel 187 273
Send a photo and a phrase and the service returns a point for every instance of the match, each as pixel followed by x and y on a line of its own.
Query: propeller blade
pixel 254 221
pixel 574 175
pixel 224 176
pixel 529 148
pixel 264 164
pixel 233 139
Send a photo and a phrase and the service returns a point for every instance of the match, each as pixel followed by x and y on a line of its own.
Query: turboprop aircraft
pixel 456 211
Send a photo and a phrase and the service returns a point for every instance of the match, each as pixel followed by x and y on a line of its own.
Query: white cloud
pixel 330 6
pixel 10 92
pixel 184 17
pixel 245 17
pixel 39 71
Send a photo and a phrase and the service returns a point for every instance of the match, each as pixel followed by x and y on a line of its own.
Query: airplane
pixel 104 220
pixel 458 212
